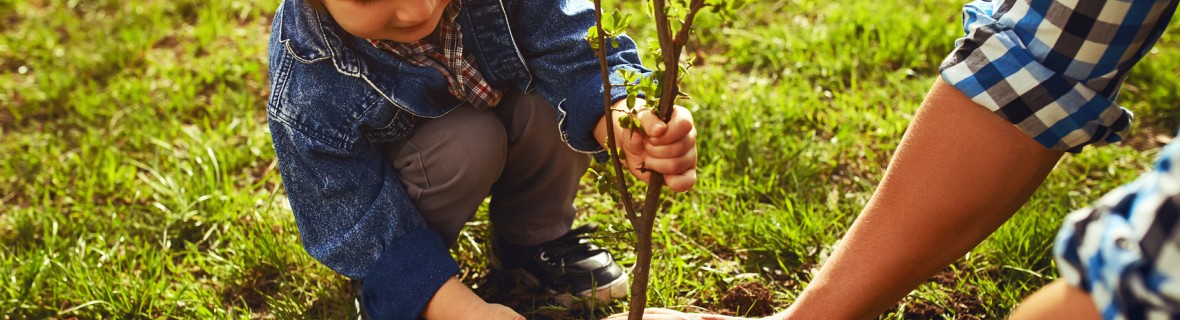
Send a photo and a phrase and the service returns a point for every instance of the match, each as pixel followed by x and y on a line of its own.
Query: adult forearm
pixel 959 173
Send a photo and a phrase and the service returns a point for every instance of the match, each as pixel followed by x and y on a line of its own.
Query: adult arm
pixel 958 174
pixel 967 163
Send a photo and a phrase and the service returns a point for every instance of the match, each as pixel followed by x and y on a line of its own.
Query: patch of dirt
pixel 254 289
pixel 966 306
pixel 7 120
pixel 260 169
pixel 334 304
pixel 1149 138
pixel 166 42
pixel 923 310
pixel 11 19
pixel 947 277
pixel 964 303
pixel 63 35
pixel 749 299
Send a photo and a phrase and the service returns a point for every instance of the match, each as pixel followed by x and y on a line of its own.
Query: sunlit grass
pixel 137 178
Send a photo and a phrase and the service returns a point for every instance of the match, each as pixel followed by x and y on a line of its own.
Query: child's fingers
pixel 672 166
pixel 674 150
pixel 635 164
pixel 630 139
pixel 652 124
pixel 678 127
pixel 681 182
pixel 639 173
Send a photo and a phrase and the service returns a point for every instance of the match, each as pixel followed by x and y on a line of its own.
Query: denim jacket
pixel 337 102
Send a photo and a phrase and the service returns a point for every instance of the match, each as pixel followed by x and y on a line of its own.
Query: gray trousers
pixel 512 152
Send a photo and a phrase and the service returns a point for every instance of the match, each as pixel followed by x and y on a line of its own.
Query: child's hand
pixel 493 311
pixel 455 301
pixel 668 148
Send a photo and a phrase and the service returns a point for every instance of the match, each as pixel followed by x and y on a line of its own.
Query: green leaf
pixel 617 22
pixel 629 76
pixel 592 37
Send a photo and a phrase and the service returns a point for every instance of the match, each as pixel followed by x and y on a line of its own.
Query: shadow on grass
pixel 337 303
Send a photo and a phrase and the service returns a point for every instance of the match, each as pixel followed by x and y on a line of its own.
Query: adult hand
pixel 665 314
pixel 667 148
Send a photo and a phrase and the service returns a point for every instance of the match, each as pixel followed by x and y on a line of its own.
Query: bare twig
pixel 669 89
pixel 611 147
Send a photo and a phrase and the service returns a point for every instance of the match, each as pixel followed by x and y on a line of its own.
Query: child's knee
pixel 478 148
pixel 465 145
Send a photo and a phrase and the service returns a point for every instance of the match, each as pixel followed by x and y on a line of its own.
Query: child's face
pixel 396 20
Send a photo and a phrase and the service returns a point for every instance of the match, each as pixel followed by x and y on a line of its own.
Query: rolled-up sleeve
pixel 552 38
pixel 1053 68
pixel 1124 250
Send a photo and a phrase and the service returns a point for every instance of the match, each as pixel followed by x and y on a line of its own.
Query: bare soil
pixel 749 299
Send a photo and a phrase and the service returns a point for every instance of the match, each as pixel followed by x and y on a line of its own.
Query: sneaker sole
pixel 602 294
pixel 605 293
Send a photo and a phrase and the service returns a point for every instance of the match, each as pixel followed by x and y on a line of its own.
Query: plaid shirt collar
pixel 464 80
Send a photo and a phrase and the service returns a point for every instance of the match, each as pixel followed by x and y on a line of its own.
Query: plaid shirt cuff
pixel 1053 67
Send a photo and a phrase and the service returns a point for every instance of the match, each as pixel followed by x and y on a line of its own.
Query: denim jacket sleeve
pixel 353 214
pixel 551 35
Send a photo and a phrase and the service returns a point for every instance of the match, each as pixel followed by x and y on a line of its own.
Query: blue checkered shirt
pixel 1125 249
pixel 1054 67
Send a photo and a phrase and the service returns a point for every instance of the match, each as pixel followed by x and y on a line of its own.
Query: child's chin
pixel 409 35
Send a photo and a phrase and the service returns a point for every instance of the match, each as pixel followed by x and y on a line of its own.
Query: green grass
pixel 137 178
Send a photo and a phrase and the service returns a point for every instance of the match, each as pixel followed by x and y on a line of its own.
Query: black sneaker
pixel 569 265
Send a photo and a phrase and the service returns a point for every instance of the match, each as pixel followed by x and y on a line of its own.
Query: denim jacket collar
pixel 311 35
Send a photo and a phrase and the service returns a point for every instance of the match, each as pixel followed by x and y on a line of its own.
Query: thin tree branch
pixel 669 90
pixel 611 147
pixel 682 36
